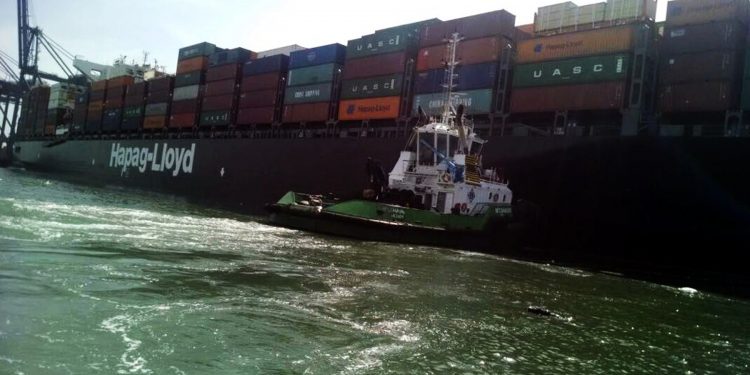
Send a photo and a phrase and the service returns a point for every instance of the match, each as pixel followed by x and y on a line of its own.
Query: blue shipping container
pixel 332 53
pixel 470 77
pixel 270 64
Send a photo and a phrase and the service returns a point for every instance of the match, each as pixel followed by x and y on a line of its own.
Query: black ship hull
pixel 676 207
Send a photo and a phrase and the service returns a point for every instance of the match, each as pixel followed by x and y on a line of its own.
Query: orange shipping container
pixel 586 43
pixel 96 106
pixel 154 122
pixel 469 52
pixel 191 65
pixel 369 109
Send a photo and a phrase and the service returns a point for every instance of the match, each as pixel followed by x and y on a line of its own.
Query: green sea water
pixel 111 281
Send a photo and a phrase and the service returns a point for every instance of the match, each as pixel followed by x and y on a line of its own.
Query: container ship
pixel 627 134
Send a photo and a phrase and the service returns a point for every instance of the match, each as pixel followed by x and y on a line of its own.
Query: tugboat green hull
pixel 491 230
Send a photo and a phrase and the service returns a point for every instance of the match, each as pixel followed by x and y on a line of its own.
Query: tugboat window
pixel 426 156
pixel 442 147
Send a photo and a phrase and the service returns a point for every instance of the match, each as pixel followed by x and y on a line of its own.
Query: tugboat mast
pixel 450 75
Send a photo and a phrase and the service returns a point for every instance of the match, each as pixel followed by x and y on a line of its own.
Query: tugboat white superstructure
pixel 436 194
pixel 443 167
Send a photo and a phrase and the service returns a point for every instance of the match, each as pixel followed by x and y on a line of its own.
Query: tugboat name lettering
pixel 159 158
pixel 396 213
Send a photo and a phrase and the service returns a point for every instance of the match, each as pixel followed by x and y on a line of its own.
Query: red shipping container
pixel 155 122
pixel 262 115
pixel 373 66
pixel 254 99
pixel 470 52
pixel 597 96
pixel 183 120
pixel 120 81
pixel 185 106
pixel 310 112
pixel 497 23
pixel 262 82
pixel 137 89
pixel 221 87
pixel 99 85
pixel 218 103
pixel 134 100
pixel 116 92
pixel 224 72
pixel 192 64
pixel 115 103
pixel 161 84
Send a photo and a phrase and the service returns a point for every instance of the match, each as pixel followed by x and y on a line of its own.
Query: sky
pixel 101 31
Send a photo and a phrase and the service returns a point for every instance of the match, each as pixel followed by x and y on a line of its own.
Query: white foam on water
pixel 129 362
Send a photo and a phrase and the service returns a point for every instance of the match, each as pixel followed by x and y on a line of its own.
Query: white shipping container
pixel 186 92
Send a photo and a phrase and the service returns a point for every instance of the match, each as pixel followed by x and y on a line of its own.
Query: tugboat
pixel 436 194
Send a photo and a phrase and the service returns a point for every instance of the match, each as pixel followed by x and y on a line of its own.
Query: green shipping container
pixel 573 71
pixel 216 118
pixel 313 74
pixel 308 94
pixel 386 41
pixel 132 112
pixel 475 102
pixel 372 87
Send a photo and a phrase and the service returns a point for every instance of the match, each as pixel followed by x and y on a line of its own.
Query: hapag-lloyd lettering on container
pixel 160 158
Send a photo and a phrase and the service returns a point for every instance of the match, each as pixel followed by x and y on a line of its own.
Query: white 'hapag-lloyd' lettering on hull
pixel 160 158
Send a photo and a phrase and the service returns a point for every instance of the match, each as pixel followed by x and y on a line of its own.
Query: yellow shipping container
pixel 584 43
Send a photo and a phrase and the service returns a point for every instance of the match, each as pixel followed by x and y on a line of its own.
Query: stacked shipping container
pixel 485 37
pixel 312 84
pixel 223 77
pixel 703 50
pixel 576 71
pixel 134 106
pixel 262 90
pixel 189 82
pixel 60 105
pixel 116 88
pixel 34 111
pixel 376 68
pixel 79 113
pixel 157 114
pixel 97 97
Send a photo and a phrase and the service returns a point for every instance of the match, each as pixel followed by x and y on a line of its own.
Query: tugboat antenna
pixel 450 117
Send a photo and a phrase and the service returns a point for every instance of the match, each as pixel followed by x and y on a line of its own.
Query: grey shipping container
pixel 158 109
pixel 187 92
pixel 313 74
pixel 382 42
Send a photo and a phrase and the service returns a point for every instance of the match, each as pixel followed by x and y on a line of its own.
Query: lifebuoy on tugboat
pixel 464 208
pixel 446 178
